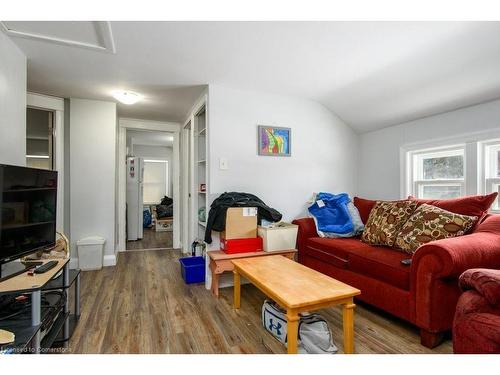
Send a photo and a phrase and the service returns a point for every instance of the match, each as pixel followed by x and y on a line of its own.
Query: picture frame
pixel 274 140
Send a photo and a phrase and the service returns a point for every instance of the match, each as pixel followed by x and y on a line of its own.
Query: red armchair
pixel 426 293
pixel 476 327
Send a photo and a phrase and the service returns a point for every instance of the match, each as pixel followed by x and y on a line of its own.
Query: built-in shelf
pixel 202 161
pixel 38 137
pixel 14 226
pixel 202 192
pixel 29 189
pixel 202 223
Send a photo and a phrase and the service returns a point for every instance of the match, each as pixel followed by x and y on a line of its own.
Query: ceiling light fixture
pixel 126 97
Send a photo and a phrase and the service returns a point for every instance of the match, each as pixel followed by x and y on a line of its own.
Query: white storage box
pixel 278 236
pixel 90 253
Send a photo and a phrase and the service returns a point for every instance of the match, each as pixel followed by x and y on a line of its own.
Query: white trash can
pixel 90 253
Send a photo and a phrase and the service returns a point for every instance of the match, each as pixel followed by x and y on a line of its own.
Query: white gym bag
pixel 314 336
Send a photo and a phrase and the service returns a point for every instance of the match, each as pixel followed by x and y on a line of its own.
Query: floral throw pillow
pixel 386 220
pixel 430 223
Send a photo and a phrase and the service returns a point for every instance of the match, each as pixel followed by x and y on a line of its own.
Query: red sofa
pixel 424 293
pixel 476 328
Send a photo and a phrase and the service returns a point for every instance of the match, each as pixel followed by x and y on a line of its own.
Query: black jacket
pixel 217 215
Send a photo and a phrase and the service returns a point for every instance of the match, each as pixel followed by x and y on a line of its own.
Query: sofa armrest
pixel 307 229
pixel 437 265
pixel 486 282
pixel 451 257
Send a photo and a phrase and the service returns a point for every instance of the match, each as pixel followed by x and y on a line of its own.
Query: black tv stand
pixel 31 335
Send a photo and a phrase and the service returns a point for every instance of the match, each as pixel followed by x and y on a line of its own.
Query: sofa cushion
pixel 380 263
pixel 429 223
pixel 474 205
pixel 386 220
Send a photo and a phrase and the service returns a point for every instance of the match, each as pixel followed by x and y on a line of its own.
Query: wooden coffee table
pixel 221 262
pixel 298 289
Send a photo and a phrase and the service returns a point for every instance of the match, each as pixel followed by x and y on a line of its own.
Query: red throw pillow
pixel 474 205
pixel 364 207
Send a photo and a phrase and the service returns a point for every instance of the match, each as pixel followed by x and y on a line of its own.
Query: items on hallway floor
pixel 148 218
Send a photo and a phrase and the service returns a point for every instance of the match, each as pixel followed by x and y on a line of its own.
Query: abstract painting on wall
pixel 274 141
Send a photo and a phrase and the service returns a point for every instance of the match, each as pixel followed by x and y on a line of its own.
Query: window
pixel 438 174
pixel 492 171
pixel 155 181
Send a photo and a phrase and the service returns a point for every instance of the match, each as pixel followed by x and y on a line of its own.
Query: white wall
pixel 92 163
pixel 324 149
pixel 12 103
pixel 379 163
pixel 157 153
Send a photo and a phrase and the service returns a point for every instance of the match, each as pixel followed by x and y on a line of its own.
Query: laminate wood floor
pixel 152 240
pixel 143 306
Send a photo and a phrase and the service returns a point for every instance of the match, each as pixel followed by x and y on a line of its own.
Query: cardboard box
pixel 241 222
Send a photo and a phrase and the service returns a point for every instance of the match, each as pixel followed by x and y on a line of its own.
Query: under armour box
pixel 241 222
pixel 241 245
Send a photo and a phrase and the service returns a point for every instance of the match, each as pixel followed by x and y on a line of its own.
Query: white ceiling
pixel 371 74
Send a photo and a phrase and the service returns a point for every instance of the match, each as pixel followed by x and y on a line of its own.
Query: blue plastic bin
pixel 193 269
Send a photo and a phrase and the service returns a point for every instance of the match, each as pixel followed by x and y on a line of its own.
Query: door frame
pixel 56 106
pixel 190 219
pixel 187 189
pixel 125 124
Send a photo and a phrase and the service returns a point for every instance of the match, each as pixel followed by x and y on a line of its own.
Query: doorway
pixel 148 185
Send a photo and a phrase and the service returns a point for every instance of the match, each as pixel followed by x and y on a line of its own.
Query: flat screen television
pixel 28 205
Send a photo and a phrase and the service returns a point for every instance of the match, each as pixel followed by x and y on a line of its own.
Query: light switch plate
pixel 223 164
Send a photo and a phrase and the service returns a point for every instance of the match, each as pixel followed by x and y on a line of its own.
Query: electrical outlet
pixel 223 164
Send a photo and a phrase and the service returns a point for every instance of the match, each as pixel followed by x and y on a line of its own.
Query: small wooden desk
pixel 298 289
pixel 221 262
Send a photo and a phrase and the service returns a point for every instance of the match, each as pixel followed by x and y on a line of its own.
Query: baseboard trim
pixel 108 261
pixel 73 263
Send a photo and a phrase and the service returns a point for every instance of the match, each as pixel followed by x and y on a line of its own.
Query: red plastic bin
pixel 241 245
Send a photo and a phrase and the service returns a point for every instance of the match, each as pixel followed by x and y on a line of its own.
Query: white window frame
pixel 416 182
pixel 490 168
pixel 166 175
